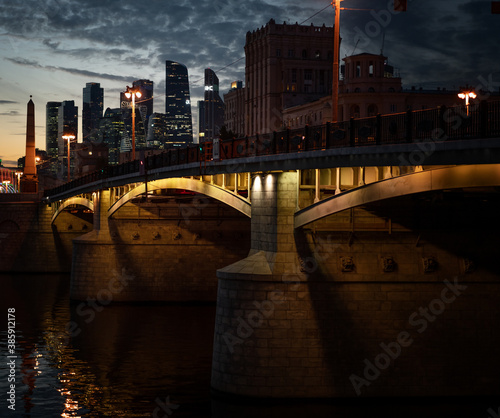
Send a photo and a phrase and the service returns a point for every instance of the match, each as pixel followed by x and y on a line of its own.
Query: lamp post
pixel 69 137
pixel 336 46
pixel 133 93
pixel 467 95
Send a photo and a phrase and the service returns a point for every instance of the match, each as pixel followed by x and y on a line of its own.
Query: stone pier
pixel 356 305
pixel 139 255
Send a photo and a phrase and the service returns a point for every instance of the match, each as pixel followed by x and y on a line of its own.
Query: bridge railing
pixel 443 123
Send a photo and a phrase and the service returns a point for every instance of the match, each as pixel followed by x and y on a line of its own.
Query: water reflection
pixel 146 360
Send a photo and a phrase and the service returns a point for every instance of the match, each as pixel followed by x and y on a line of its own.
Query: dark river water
pixel 143 360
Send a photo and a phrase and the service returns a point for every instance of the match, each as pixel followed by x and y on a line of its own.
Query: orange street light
pixel 133 93
pixel 467 95
pixel 69 137
pixel 336 47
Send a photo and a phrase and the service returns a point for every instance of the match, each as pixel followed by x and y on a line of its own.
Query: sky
pixel 51 48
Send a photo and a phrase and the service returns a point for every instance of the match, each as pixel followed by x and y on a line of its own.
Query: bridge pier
pixel 144 256
pixel 352 311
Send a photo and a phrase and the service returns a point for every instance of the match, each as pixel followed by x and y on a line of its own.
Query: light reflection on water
pixel 137 360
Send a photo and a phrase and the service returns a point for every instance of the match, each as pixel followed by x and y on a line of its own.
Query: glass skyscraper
pixel 213 109
pixel 179 123
pixel 67 121
pixel 51 130
pixel 93 104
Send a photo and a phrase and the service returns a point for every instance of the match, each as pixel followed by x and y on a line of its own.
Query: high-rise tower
pixel 67 121
pixel 92 110
pixel 213 108
pixel 51 130
pixel 178 103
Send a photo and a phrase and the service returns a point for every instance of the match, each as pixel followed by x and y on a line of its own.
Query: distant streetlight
pixel 69 137
pixel 467 95
pixel 133 93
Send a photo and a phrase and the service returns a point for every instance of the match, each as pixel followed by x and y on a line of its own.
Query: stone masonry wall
pixel 369 314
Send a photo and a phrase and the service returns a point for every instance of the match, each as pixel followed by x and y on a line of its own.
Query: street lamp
pixel 133 93
pixel 336 47
pixel 69 137
pixel 467 95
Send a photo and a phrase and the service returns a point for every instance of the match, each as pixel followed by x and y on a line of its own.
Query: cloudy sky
pixel 51 48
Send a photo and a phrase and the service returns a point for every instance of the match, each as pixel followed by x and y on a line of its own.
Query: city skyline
pixel 51 50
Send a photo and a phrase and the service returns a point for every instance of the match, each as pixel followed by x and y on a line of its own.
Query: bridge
pixel 326 241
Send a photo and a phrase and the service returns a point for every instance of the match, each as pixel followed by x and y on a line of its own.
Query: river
pixel 78 359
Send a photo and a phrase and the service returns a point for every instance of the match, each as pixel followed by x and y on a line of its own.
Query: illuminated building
pixel 51 134
pixel 178 103
pixel 92 110
pixel 286 66
pixel 213 108
pixel 234 114
pixel 67 121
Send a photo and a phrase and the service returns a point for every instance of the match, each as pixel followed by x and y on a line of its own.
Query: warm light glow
pixel 138 94
pixel 461 95
pixel 128 95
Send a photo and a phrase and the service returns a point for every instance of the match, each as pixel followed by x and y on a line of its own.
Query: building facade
pixel 51 135
pixel 369 86
pixel 213 108
pixel 67 121
pixel 234 113
pixel 178 103
pixel 111 130
pixel 286 66
pixel 93 102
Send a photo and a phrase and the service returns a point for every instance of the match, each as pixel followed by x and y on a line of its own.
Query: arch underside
pixel 458 177
pixel 223 195
pixel 81 201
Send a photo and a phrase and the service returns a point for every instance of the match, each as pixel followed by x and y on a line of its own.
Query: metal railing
pixel 443 123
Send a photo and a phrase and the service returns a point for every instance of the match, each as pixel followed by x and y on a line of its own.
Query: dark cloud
pixel 74 71
pixel 11 113
pixel 7 102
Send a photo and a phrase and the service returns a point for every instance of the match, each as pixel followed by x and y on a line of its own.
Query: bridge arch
pixel 457 177
pixel 223 195
pixel 81 201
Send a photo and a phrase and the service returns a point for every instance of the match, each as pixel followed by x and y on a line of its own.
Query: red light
pixel 400 5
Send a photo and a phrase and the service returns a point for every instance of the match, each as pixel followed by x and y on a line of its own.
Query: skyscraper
pixel 67 121
pixel 145 103
pixel 214 107
pixel 143 109
pixel 51 132
pixel 92 110
pixel 178 103
pixel 111 128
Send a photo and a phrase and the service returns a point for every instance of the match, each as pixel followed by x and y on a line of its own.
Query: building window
pixel 358 69
pixel 372 110
pixel 357 90
pixel 294 75
pixel 317 55
pixel 355 111
pixel 391 90
pixel 304 54
pixel 370 69
pixel 278 52
pixel 291 53
pixel 394 108
pixel 308 75
pixel 371 90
